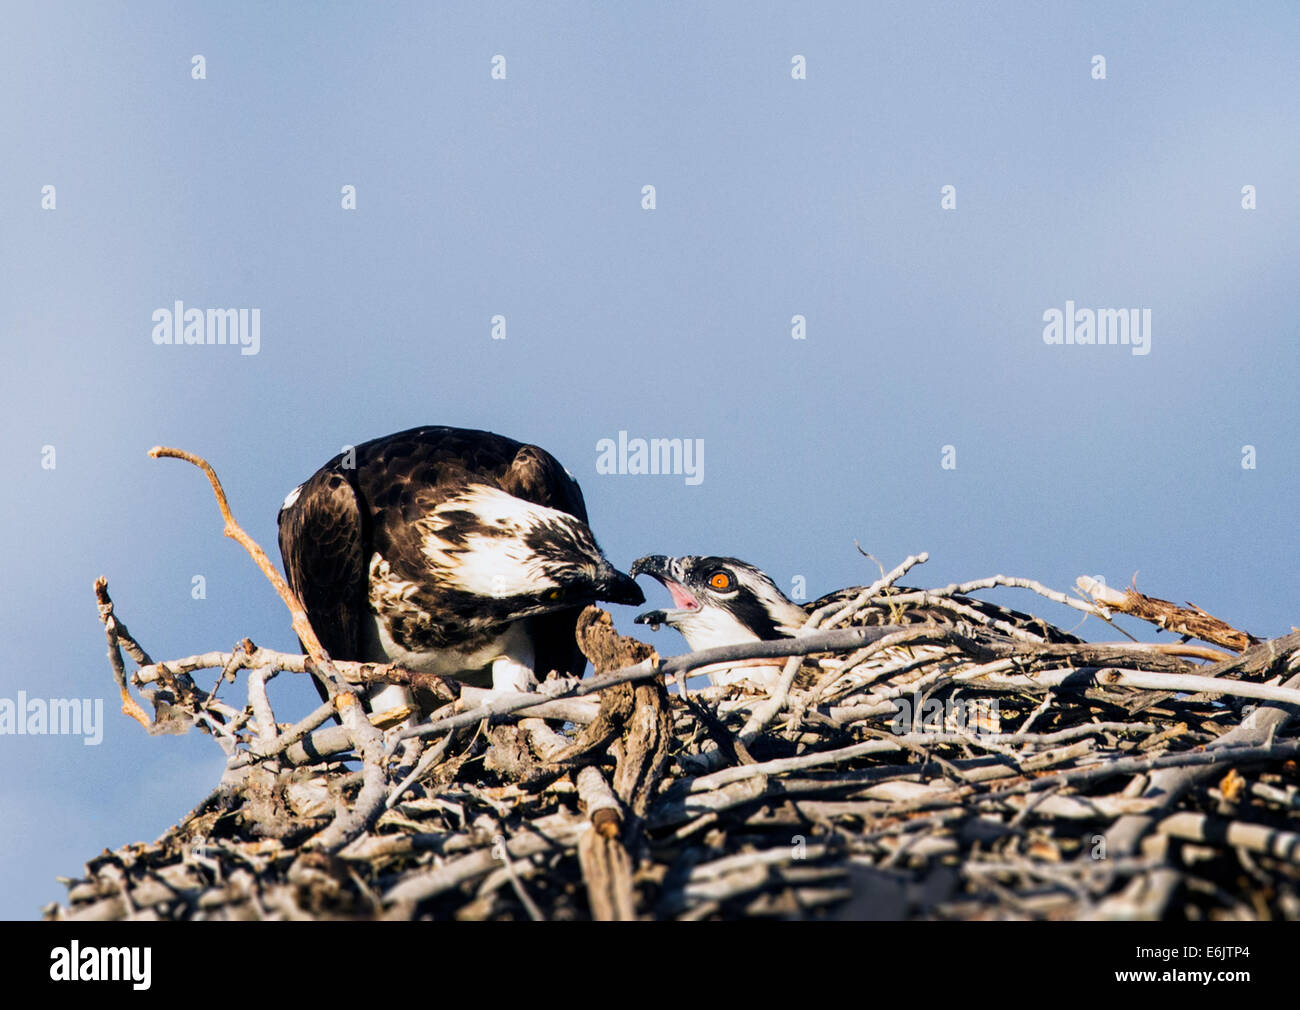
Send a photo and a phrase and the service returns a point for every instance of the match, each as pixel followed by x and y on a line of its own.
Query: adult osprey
pixel 449 551
pixel 724 601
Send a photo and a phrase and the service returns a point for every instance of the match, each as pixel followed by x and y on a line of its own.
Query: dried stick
pixel 1150 681
pixel 833 613
pixel 966 588
pixel 1193 622
pixel 367 740
pixel 1259 727
pixel 1255 837
pixel 116 632
pixel 301 625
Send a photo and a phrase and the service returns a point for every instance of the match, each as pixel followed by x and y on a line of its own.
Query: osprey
pixel 449 551
pixel 724 601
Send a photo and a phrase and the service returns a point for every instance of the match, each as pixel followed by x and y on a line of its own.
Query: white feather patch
pixel 711 627
pixel 499 567
pixel 497 564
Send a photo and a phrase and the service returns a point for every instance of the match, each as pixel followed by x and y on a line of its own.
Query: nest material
pixel 963 768
pixel 948 772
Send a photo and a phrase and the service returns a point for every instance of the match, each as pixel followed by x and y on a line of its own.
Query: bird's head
pixel 519 559
pixel 718 601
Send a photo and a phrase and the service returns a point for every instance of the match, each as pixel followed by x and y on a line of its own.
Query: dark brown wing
pixel 321 546
pixel 536 476
pixel 880 613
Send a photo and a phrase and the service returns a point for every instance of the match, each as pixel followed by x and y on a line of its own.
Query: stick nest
pixel 947 770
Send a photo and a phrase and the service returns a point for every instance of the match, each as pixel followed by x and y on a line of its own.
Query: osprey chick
pixel 449 551
pixel 725 601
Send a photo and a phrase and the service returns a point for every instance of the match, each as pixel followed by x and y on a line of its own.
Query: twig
pixel 1191 621
pixel 833 614
pixel 117 633
pixel 365 738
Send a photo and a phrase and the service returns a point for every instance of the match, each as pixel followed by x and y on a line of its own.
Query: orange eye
pixel 720 580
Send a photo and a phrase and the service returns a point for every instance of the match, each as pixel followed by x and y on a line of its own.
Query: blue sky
pixel 522 197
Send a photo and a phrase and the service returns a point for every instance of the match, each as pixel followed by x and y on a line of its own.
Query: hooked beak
pixel 658 565
pixel 615 587
pixel 668 571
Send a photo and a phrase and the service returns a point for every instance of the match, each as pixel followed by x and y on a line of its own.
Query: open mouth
pixel 682 596
pixel 685 602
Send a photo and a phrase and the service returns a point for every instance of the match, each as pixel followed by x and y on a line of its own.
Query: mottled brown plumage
pixel 356 536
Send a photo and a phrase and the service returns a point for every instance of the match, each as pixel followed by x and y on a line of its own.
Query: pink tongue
pixel 681 597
